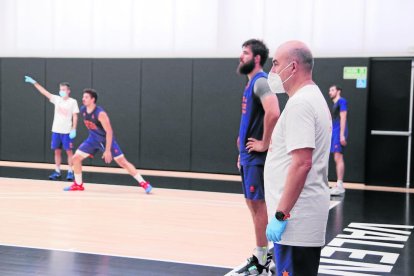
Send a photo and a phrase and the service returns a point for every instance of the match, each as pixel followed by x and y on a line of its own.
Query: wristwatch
pixel 280 216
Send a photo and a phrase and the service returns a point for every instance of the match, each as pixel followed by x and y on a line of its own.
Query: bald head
pixel 297 51
pixel 293 62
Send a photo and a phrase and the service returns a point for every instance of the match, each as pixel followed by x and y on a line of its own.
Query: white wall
pixel 202 28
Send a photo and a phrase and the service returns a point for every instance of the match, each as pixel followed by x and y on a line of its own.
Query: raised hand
pixel 29 80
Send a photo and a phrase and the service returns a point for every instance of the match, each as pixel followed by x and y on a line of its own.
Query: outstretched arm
pixel 40 88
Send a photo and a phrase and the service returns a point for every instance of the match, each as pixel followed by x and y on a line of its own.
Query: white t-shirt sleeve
pixel 300 127
pixel 75 106
pixel 54 99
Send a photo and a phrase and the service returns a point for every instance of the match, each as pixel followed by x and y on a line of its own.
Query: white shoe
pixel 336 191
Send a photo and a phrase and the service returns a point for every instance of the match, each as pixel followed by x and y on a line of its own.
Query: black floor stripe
pixel 29 261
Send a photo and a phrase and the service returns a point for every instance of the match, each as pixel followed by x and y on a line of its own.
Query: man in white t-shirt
pixel 296 167
pixel 64 124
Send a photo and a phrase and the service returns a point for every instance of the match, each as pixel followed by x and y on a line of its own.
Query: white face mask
pixel 276 83
pixel 62 93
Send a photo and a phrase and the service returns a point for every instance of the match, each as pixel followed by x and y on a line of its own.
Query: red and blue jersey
pixel 251 124
pixel 93 124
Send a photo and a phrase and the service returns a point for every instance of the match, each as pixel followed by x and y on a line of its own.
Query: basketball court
pixel 112 229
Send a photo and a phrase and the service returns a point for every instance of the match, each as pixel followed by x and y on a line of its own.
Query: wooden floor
pixel 124 221
pixel 123 230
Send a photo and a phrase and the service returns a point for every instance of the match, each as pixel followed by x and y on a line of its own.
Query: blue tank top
pixel 91 121
pixel 251 124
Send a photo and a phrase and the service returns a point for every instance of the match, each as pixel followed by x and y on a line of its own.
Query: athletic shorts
pixel 61 141
pixel 252 182
pixel 336 143
pixel 296 260
pixel 92 146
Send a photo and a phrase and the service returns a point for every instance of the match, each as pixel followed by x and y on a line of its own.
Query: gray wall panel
pixel 118 84
pixel 328 71
pixel 166 114
pixel 218 91
pixel 22 110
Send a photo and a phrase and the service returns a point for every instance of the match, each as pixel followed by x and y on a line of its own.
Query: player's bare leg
pixel 70 176
pixel 124 163
pixel 77 168
pixel 58 160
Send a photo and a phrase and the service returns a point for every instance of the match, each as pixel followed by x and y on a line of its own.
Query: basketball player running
pixel 100 139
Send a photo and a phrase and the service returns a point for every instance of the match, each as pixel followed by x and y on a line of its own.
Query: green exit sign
pixel 353 73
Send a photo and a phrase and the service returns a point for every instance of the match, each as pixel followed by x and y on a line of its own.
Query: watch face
pixel 280 216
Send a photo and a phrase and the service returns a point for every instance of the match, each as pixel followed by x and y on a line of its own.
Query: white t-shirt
pixel 64 109
pixel 305 123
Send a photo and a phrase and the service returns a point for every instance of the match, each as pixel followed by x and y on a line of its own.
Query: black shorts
pixel 296 260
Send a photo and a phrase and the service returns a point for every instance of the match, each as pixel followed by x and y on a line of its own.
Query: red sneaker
pixel 147 187
pixel 74 187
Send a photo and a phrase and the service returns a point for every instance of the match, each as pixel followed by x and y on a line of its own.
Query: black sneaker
pixel 253 267
pixel 269 256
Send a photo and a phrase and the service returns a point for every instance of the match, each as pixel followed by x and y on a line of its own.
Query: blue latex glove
pixel 72 134
pixel 29 80
pixel 275 229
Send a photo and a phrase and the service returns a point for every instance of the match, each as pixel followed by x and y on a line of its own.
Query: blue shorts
pixel 61 140
pixel 252 180
pixel 92 146
pixel 296 260
pixel 336 143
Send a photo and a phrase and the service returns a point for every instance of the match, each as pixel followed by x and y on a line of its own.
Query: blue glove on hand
pixel 29 80
pixel 275 229
pixel 72 134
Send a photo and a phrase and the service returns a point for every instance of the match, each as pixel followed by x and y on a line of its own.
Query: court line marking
pixel 180 200
pixel 73 250
pixel 175 174
pixel 190 175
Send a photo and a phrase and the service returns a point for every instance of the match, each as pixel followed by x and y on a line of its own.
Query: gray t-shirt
pixel 261 88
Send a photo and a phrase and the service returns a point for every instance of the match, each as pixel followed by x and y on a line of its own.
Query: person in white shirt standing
pixel 296 167
pixel 64 124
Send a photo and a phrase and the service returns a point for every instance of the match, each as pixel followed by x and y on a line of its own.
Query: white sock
pixel 57 169
pixel 261 254
pixel 70 169
pixel 340 184
pixel 139 178
pixel 78 178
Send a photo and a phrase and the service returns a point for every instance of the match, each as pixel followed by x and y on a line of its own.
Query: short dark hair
pixel 258 48
pixel 92 92
pixel 64 83
pixel 337 87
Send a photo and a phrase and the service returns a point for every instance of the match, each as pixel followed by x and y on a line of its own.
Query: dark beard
pixel 246 68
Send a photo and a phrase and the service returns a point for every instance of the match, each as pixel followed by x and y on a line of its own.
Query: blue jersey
pixel 251 124
pixel 91 121
pixel 337 108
